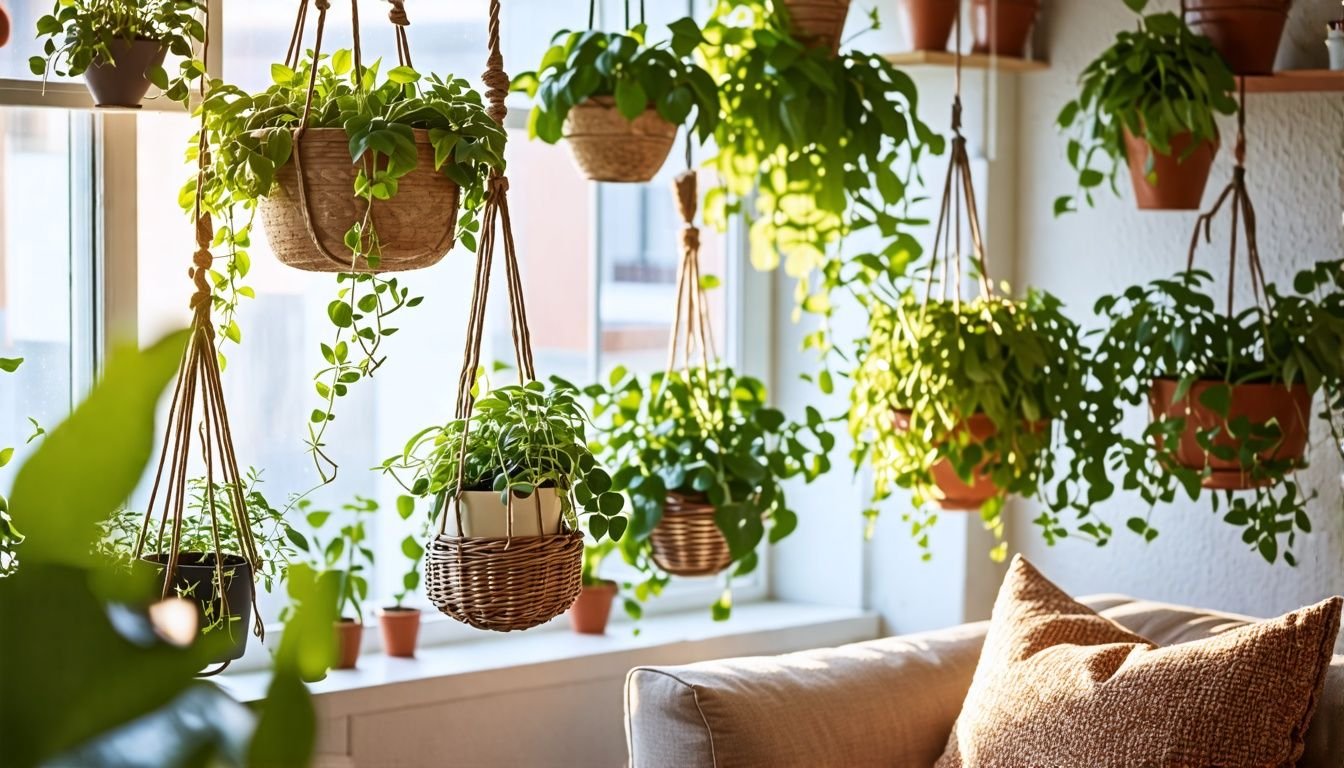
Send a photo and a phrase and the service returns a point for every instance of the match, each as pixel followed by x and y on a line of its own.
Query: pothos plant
pixel 703 431
pixel 521 438
pixel 636 74
pixel 78 34
pixel 1021 363
pixel 1157 81
pixel 821 146
pixel 1172 328
pixel 249 136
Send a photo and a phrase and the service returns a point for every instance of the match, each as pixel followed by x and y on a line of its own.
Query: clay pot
pixel 607 147
pixel 1245 32
pixel 930 23
pixel 1288 406
pixel 349 633
pixel 1180 183
pixel 957 494
pixel 589 613
pixel 818 23
pixel 1003 27
pixel 124 81
pixel 400 628
pixel 4 25
pixel 194 579
pixel 687 541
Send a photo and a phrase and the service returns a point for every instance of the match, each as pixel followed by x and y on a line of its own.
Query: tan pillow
pixel 1058 685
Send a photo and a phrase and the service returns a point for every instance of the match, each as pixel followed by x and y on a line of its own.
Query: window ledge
pixel 545 658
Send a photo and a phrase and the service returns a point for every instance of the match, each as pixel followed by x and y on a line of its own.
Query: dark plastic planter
pixel 195 581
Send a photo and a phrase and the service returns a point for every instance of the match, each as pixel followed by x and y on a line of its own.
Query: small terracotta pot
pixel 1288 406
pixel 4 25
pixel 1180 183
pixel 124 81
pixel 1245 32
pixel 930 23
pixel 818 23
pixel 1003 27
pixel 349 633
pixel 588 615
pixel 400 628
pixel 957 494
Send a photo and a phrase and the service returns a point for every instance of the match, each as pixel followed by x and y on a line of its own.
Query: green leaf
pixel 340 313
pixel 631 100
pixel 405 506
pixel 402 75
pixel 341 61
pixel 10 364
pixel 281 74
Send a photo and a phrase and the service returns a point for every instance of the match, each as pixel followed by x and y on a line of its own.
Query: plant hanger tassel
pixel 199 375
pixel 692 306
pixel 510 583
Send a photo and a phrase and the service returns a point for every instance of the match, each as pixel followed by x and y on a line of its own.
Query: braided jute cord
pixel 198 374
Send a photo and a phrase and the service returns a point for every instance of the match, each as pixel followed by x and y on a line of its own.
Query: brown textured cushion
pixel 1059 685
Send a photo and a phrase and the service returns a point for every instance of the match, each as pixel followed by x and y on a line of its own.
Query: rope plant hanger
pixel 510 583
pixel 212 577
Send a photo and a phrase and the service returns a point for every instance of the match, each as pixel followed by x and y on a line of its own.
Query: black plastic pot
pixel 124 81
pixel 195 580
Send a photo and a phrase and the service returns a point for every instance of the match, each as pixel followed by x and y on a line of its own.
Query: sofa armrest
pixel 884 702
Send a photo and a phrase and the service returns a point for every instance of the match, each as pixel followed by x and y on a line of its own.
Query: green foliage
pixel 411 549
pixel 1159 80
pixel 1021 363
pixel 703 432
pixel 10 538
pixel 581 65
pixel 79 32
pixel 593 557
pixel 1172 328
pixel 827 145
pixel 345 558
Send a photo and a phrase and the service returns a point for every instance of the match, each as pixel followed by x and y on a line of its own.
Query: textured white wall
pixel 1296 176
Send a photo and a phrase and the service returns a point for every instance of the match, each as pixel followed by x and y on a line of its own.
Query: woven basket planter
pixel 416 226
pixel 504 585
pixel 818 23
pixel 687 542
pixel 607 147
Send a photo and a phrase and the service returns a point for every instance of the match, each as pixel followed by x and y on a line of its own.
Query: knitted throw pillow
pixel 1058 685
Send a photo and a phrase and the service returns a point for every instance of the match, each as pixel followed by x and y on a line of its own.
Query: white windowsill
pixel 530 659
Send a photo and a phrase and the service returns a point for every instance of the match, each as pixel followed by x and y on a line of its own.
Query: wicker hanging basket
pixel 415 228
pixel 504 585
pixel 687 541
pixel 607 147
pixel 818 23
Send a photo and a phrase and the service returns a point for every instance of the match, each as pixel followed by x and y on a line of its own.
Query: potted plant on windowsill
pixel 703 459
pixel 1230 396
pixel 399 623
pixel 1149 102
pixel 346 559
pixel 619 100
pixel 119 46
pixel 592 609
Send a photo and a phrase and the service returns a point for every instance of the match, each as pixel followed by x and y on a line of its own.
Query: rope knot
pixel 202 259
pixel 499 185
pixel 397 13
pixel 690 239
pixel 322 5
pixel 496 87
pixel 685 187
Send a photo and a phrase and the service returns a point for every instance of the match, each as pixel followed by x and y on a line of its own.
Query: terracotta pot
pixel 349 633
pixel 589 613
pixel 957 494
pixel 1180 183
pixel 818 23
pixel 930 23
pixel 194 579
pixel 687 541
pixel 4 25
pixel 400 628
pixel 124 81
pixel 607 147
pixel 1289 407
pixel 1003 27
pixel 1245 32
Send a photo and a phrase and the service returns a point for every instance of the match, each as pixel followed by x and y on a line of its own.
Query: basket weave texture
pixel 607 147
pixel 416 226
pixel 504 585
pixel 818 23
pixel 687 542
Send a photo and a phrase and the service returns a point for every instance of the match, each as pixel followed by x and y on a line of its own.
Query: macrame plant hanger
pixel 511 583
pixel 198 375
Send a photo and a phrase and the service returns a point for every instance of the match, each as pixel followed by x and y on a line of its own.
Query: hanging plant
pixel 394 129
pixel 704 443
pixel 618 100
pixel 119 47
pixel 827 145
pixel 1149 102
pixel 1231 396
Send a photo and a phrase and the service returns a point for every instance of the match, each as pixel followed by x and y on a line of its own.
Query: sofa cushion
pixel 1058 684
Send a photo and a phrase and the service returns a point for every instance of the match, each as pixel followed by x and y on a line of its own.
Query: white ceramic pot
pixel 484 516
pixel 1334 42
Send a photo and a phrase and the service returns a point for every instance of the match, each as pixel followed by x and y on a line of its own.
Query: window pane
pixel 23 43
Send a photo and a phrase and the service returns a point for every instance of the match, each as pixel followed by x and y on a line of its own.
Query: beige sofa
pixel 889 702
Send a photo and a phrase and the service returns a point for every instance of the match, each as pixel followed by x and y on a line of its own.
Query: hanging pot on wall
pixel 818 23
pixel 687 541
pixel 607 147
pixel 224 607
pixel 1003 27
pixel 124 81
pixel 1263 403
pixel 416 227
pixel 930 23
pixel 1245 32
pixel 349 634
pixel 400 628
pixel 590 612
pixel 1171 182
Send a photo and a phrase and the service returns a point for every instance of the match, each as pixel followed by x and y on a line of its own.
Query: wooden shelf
pixel 968 61
pixel 1297 81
